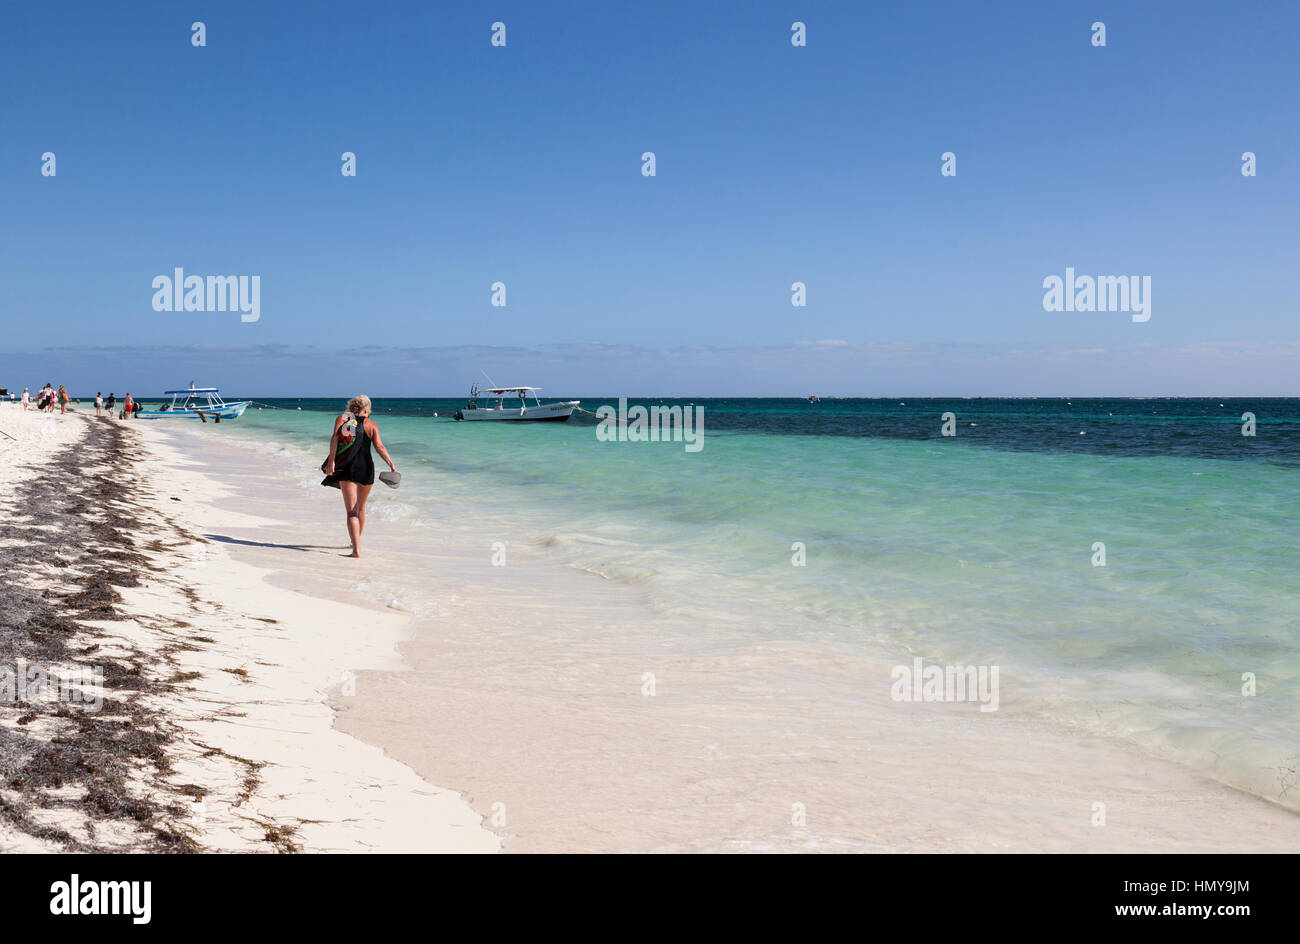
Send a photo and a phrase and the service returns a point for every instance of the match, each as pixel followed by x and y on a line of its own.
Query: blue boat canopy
pixel 192 390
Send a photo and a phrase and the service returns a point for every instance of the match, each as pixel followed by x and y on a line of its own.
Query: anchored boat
pixel 203 402
pixel 559 411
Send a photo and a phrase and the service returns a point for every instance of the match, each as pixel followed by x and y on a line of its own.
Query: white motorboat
pixel 511 403
pixel 193 401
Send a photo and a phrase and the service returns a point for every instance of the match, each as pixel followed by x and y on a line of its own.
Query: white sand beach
pixel 313 708
pixel 254 762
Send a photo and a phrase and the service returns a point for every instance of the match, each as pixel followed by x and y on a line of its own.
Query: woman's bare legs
pixel 350 505
pixel 363 492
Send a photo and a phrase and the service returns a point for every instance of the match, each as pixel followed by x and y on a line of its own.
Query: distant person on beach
pixel 128 406
pixel 63 400
pixel 27 398
pixel 99 403
pixel 350 467
pixel 111 404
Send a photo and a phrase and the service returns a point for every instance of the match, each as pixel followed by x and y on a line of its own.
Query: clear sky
pixel 775 164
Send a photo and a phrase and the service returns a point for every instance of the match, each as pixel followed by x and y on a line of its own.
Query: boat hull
pixel 547 412
pixel 230 411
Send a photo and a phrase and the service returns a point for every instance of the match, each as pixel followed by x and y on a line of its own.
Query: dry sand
pixel 214 732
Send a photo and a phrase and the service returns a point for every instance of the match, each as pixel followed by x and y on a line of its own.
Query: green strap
pixel 344 448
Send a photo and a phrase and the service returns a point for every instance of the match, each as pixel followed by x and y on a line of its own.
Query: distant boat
pixel 558 411
pixel 203 402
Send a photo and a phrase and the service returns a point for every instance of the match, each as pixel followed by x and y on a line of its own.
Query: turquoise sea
pixel 978 548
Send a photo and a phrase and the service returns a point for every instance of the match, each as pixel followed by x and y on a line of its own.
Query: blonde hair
pixel 358 404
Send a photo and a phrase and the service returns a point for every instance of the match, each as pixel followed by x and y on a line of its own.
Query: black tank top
pixel 352 460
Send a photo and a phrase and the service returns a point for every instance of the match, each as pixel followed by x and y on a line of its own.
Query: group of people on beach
pixel 130 407
pixel 46 399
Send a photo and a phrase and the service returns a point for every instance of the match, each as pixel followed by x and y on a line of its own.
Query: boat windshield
pixel 197 400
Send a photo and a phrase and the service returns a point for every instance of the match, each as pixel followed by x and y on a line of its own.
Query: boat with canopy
pixel 505 407
pixel 202 402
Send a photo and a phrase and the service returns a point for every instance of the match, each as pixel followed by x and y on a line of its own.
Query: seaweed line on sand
pixel 94 781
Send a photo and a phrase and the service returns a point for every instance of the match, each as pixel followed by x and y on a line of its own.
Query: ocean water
pixel 976 548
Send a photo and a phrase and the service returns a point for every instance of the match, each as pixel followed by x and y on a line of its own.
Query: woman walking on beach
pixel 350 467
pixel 63 400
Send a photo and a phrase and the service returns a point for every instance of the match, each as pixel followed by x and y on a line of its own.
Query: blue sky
pixel 775 164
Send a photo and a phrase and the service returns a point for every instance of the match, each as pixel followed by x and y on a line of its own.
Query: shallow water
pixel 975 549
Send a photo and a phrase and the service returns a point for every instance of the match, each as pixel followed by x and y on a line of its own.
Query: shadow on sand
pixel 321 548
